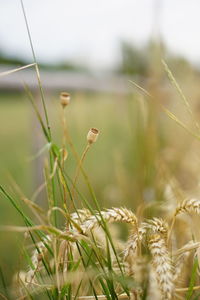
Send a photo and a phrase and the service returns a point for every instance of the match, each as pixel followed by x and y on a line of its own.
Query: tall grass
pixel 71 246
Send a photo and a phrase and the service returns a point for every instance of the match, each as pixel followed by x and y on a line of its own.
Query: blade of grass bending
pixel 16 70
pixel 193 278
pixel 176 85
pixel 36 67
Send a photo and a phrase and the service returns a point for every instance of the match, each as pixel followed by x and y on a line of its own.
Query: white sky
pixel 90 30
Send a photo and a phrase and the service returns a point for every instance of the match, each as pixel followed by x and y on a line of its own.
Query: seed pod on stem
pixel 64 99
pixel 92 135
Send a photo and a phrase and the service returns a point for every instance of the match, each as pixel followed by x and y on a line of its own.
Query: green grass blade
pixel 192 279
pixel 16 206
pixel 31 99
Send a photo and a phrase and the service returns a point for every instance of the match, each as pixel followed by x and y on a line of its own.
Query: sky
pixel 89 31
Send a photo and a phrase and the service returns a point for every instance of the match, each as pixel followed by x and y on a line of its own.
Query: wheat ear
pixel 157 225
pixel 153 291
pixel 187 206
pixel 109 216
pixel 162 265
pixel 81 215
pixel 190 205
pixel 131 249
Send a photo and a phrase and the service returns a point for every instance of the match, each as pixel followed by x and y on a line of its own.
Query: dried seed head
pixel 64 99
pixel 92 135
pixel 190 206
pixel 157 225
pixel 162 264
pixel 110 216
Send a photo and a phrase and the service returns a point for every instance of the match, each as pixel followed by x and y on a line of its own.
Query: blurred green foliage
pixel 141 60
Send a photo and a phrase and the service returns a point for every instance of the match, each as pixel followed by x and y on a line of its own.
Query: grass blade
pixel 16 70
pixel 193 279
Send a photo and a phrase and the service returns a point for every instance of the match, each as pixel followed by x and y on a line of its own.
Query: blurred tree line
pixel 133 60
pixel 63 65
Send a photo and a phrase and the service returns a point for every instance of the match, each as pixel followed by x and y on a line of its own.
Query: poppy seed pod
pixel 92 135
pixel 64 99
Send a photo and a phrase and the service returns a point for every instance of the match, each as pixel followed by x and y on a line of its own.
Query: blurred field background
pixel 139 149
